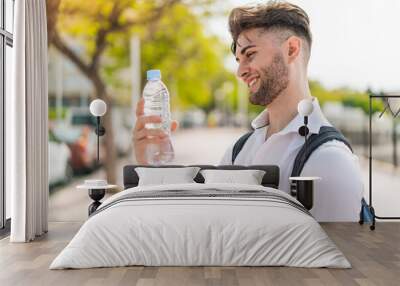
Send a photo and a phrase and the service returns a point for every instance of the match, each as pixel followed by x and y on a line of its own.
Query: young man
pixel 272 45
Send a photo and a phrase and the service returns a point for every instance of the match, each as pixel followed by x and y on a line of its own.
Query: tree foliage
pixel 176 43
pixel 191 61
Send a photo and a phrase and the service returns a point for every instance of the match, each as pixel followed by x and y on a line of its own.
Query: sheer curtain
pixel 26 118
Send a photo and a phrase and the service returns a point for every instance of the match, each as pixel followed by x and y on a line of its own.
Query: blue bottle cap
pixel 153 74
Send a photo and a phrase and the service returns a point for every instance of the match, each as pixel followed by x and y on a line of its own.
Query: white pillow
pixel 163 176
pixel 248 177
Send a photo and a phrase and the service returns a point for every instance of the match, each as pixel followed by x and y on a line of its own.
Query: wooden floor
pixel 375 257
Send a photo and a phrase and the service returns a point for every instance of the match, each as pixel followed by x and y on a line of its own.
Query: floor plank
pixel 374 255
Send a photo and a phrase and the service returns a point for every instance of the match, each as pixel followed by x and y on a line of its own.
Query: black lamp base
pixel 96 195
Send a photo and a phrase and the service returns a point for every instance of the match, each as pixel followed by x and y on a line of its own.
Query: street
pixel 207 146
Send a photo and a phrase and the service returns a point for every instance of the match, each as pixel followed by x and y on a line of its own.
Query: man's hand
pixel 143 136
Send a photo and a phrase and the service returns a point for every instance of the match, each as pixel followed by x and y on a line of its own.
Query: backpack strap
pixel 239 145
pixel 326 134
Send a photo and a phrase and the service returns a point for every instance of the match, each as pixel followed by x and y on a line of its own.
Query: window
pixel 6 44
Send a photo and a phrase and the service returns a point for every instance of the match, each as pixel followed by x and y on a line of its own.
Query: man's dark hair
pixel 278 16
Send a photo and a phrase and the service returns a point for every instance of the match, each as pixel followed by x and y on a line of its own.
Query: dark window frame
pixel 6 39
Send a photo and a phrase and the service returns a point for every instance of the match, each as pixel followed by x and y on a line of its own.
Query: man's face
pixel 261 65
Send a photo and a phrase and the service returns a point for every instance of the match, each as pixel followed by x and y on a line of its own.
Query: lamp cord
pixel 98 139
pixel 305 134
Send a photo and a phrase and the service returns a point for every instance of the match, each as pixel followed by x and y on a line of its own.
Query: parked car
pixel 83 145
pixel 81 116
pixel 60 169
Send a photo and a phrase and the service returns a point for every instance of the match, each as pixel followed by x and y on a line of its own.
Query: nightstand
pixel 96 190
pixel 303 189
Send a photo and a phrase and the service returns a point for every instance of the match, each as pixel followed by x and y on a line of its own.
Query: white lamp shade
pixel 305 107
pixel 98 107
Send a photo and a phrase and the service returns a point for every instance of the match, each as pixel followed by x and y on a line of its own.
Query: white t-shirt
pixel 337 197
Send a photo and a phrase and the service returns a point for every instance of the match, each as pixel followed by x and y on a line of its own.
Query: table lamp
pixel 97 187
pixel 98 108
pixel 302 187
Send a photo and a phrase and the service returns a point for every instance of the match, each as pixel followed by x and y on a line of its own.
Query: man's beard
pixel 273 80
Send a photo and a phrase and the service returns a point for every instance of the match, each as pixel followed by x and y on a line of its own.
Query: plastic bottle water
pixel 156 102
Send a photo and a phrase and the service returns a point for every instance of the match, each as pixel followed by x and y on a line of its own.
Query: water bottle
pixel 156 102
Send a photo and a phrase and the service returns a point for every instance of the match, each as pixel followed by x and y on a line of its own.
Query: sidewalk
pixel 207 146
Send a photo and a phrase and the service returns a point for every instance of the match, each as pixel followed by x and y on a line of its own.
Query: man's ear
pixel 293 45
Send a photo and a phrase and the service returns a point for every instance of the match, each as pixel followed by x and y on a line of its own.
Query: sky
pixel 356 43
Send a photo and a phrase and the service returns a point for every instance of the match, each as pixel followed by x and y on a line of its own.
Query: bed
pixel 201 224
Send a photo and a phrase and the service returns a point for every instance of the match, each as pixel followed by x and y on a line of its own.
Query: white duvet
pixel 200 231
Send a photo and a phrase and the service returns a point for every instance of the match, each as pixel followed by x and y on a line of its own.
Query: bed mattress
pixel 201 225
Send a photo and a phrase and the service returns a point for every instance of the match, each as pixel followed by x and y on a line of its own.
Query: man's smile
pixel 252 83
